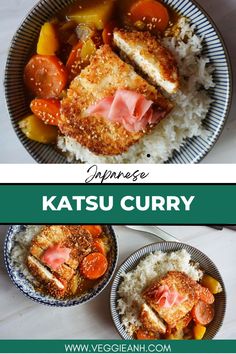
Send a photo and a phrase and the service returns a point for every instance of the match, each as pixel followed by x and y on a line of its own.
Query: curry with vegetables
pixel 69 261
pixel 73 82
pixel 177 307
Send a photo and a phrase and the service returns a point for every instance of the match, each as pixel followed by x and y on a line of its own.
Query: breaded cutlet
pixel 101 79
pixel 51 235
pixel 60 280
pixel 176 281
pixel 151 320
pixel 76 238
pixel 64 271
pixel 56 287
pixel 150 56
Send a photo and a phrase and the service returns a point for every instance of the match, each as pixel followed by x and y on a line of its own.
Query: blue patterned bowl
pixel 193 150
pixel 28 289
pixel 197 256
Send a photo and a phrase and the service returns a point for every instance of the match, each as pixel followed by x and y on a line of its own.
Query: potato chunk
pixel 36 130
pixel 212 284
pixel 94 12
pixel 199 331
pixel 48 43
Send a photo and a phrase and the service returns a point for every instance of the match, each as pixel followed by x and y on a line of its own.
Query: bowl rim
pixel 117 278
pixel 201 155
pixel 51 302
pixel 231 81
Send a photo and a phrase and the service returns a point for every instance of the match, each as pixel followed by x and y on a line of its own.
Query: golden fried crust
pixel 51 234
pixel 107 73
pixel 74 237
pixel 54 286
pixel 102 78
pixel 63 271
pixel 151 321
pixel 181 283
pixel 137 45
pixel 80 242
pixel 184 322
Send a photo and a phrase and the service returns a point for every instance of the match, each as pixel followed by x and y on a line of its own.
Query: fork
pixel 154 230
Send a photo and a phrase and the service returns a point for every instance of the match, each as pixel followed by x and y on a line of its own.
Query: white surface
pixel 20 318
pixel 31 173
pixel 13 11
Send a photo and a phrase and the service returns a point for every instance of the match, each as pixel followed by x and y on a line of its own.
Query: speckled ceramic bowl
pixel 192 151
pixel 197 256
pixel 28 289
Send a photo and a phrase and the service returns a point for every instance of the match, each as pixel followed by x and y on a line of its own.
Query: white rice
pixel 153 267
pixel 20 250
pixel 185 121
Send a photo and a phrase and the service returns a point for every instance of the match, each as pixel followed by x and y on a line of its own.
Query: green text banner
pixel 118 204
pixel 116 346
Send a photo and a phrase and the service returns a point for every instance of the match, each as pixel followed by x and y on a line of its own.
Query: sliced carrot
pixel 45 76
pixel 107 33
pixel 99 246
pixel 143 334
pixel 74 55
pixel 205 295
pixel 150 12
pixel 203 313
pixel 46 109
pixel 94 230
pixel 94 266
pixel 79 57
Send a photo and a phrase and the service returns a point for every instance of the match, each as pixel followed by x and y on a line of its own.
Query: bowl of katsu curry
pixel 118 81
pixel 61 265
pixel 168 290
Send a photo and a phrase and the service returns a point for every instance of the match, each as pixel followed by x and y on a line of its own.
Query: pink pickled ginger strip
pixel 167 298
pixel 55 256
pixel 129 108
